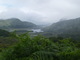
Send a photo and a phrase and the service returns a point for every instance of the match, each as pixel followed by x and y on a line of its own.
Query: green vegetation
pixel 67 29
pixel 62 42
pixel 4 33
pixel 6 39
pixel 15 23
pixel 41 48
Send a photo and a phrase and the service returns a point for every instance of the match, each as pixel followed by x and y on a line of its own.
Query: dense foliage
pixel 41 48
pixel 4 33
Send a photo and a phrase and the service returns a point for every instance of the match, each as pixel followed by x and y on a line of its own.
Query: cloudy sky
pixel 40 11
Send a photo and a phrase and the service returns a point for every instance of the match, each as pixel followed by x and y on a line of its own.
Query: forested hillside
pixel 4 33
pixel 66 28
pixel 15 23
pixel 6 39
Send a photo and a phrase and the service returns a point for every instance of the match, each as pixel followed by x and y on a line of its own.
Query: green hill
pixel 66 28
pixel 15 23
pixel 4 33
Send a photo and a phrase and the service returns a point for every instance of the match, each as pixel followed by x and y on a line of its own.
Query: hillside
pixel 66 28
pixel 4 33
pixel 15 23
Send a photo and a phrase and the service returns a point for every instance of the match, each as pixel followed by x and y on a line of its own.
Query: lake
pixel 36 30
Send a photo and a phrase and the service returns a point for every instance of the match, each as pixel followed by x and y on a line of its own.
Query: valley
pixel 23 41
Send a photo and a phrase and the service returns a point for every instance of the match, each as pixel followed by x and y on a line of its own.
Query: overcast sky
pixel 40 11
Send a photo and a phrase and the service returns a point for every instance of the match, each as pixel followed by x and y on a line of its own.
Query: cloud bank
pixel 40 11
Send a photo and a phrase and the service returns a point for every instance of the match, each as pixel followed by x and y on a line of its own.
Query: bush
pixel 41 48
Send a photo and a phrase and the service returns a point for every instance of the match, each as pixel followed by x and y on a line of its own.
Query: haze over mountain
pixel 40 11
pixel 15 23
pixel 66 28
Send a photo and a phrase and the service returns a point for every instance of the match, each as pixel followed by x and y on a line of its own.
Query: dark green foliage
pixel 43 55
pixel 7 41
pixel 56 39
pixel 41 48
pixel 74 55
pixel 4 33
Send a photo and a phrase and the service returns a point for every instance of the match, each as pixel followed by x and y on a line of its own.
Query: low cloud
pixel 40 11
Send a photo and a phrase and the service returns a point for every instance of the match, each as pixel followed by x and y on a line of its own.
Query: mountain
pixel 15 23
pixel 67 28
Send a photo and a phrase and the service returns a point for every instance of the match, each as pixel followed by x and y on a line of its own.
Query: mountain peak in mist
pixel 15 23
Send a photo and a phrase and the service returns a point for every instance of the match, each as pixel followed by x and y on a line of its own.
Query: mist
pixel 40 12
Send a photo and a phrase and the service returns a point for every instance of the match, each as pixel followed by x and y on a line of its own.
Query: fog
pixel 40 11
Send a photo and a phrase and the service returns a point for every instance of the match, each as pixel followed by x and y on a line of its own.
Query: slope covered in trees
pixel 15 23
pixel 4 33
pixel 66 28
pixel 6 39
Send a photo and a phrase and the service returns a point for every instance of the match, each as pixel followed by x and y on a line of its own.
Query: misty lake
pixel 36 30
